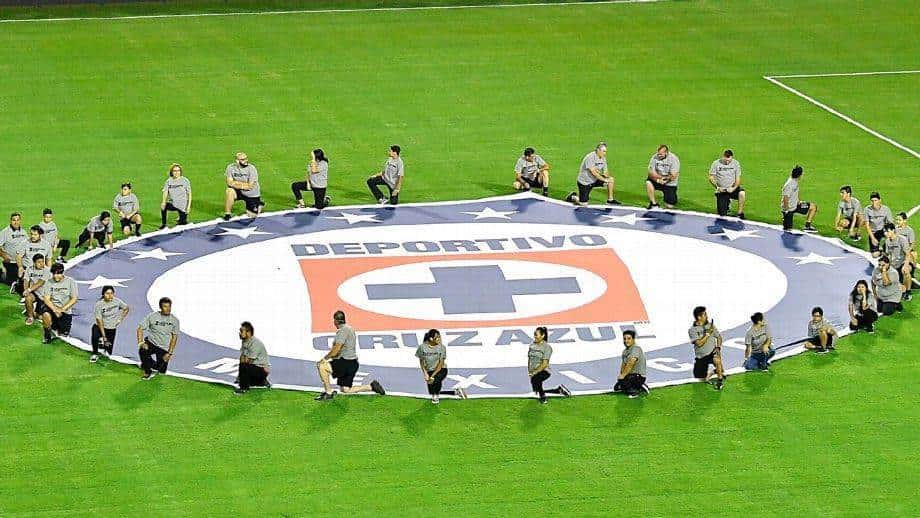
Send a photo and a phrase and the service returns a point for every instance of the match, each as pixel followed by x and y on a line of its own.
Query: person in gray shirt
pixel 897 248
pixel 663 172
pixel 128 209
pixel 538 355
pixel 59 294
pixel 52 236
pixel 98 231
pixel 593 173
pixel 790 204
pixel 317 180
pixel 35 245
pixel 432 359
pixel 875 217
pixel 849 213
pixel 10 238
pixel 725 176
pixel 391 176
pixel 758 344
pixel 157 336
pixel 632 376
pixel 886 288
pixel 903 229
pixel 531 172
pixel 177 196
pixel 243 185
pixel 863 308
pixel 341 363
pixel 33 282
pixel 821 333
pixel 707 347
pixel 254 364
pixel 108 313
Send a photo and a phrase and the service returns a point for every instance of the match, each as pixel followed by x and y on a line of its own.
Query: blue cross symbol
pixel 473 289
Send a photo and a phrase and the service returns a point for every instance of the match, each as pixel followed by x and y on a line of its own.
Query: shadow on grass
pixel 420 420
pixel 532 414
pixel 756 382
pixel 140 393
pixel 327 413
pixel 702 397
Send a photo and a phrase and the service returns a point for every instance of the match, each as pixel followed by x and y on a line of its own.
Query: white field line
pixel 913 211
pixel 847 74
pixel 851 120
pixel 319 11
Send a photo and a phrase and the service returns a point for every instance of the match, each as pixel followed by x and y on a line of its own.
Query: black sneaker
pixel 633 395
pixel 565 391
pixel 240 392
pixel 323 396
pixel 544 400
pixel 653 206
pixel 740 215
pixel 718 384
pixel 820 350
pixel 809 228
pixel 327 201
pixel 907 296
pixel 570 197
pixel 162 227
pixel 613 202
pixel 94 358
pixel 46 340
pixel 378 388
pixel 150 375
pixel 226 217
pixel 870 330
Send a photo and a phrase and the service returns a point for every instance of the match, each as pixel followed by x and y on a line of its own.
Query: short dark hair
pixel 320 155
pixel 339 317
pixel 396 149
pixel 903 215
pixel 884 259
pixel 728 153
pixel 699 310
pixel 37 257
pixel 164 300
pixel 889 226
pixel 663 146
pixel 818 310
pixel 104 214
pixel 47 211
pixel 875 196
pixel 107 288
pixel 431 334
pixel 543 331
pixel 247 326
pixel 13 215
pixel 757 317
pixel 57 268
pixel 528 151
pixel 126 184
pixel 847 189
pixel 797 171
pixel 630 332
pixel 36 228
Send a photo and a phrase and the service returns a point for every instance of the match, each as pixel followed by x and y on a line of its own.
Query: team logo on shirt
pixel 485 273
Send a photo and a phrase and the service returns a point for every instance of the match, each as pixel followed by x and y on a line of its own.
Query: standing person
pixel 790 205
pixel 663 172
pixel 59 294
pixel 875 216
pixel 317 180
pixel 758 344
pixel 538 355
pixel 432 359
pixel 725 176
pixel 631 378
pixel 53 238
pixel 862 307
pixel 254 364
pixel 903 229
pixel 707 347
pixel 820 332
pixel 99 231
pixel 886 288
pixel 128 209
pixel 33 281
pixel 531 172
pixel 593 173
pixel 849 213
pixel 108 313
pixel 177 196
pixel 897 248
pixel 243 185
pixel 10 238
pixel 157 336
pixel 35 245
pixel 341 363
pixel 391 176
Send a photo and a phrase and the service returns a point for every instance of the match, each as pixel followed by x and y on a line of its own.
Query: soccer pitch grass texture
pixel 89 104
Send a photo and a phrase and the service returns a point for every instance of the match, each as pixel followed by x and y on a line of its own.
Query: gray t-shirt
pixel 159 328
pixel 60 292
pixel 908 234
pixel 178 192
pixel 791 191
pixel 848 208
pixel 33 276
pixel 696 332
pixel 857 303
pixel 724 174
pixel 815 327
pixel 96 225
pixel 346 336
pixel 393 169
pixel 247 174
pixel 255 350
pixel 756 337
pixel 878 218
pixel 27 249
pixel 10 240
pixel 536 353
pixel 890 293
pixel 320 178
pixel 109 312
pixel 431 355
pixel 527 169
pixel 591 160
pixel 51 232
pixel 634 352
pixel 896 249
pixel 126 204
pixel 666 167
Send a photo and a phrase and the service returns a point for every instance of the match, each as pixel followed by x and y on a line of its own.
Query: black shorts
pixel 533 183
pixel 669 191
pixel 126 222
pixel 880 236
pixel 733 195
pixel 584 191
pixel 816 341
pixel 344 371
pixel 252 202
pixel 802 208
pixel 701 365
pixel 62 323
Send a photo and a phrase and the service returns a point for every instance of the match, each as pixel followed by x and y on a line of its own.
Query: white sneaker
pixel 435 400
pixel 381 201
pixel 461 393
pixel 94 358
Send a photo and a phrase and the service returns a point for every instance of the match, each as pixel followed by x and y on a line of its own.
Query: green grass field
pixel 88 104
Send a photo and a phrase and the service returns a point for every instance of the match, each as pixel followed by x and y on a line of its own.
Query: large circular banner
pixel 485 273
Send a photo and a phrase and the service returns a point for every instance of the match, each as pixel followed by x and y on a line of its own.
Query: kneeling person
pixel 432 359
pixel 593 173
pixel 663 172
pixel 820 332
pixel 157 336
pixel 886 287
pixel 707 347
pixel 849 213
pixel 758 344
pixel 531 172
pixel 98 231
pixel 243 185
pixel 631 379
pixel 538 356
pixel 33 281
pixel 725 176
pixel 59 294
pixel 128 208
pixel 341 363
pixel 254 365
pixel 108 313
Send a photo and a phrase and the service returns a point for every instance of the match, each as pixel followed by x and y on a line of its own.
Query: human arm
pixel 627 367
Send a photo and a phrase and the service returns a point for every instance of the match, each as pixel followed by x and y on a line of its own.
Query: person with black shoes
pixel 862 307
pixel 157 336
pixel 631 379
pixel 707 347
pixel 254 364
pixel 593 173
pixel 886 287
pixel 108 313
pixel 790 205
pixel 821 333
pixel 341 363
pixel 59 294
pixel 538 355
pixel 317 180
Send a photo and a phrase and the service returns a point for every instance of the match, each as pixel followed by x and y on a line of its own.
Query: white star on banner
pixel 242 233
pixel 156 253
pixel 356 218
pixel 488 212
pixel 814 258
pixel 629 219
pixel 102 280
pixel 738 234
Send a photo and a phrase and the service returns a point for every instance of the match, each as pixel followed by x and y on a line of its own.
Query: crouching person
pixel 758 344
pixel 254 365
pixel 631 379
